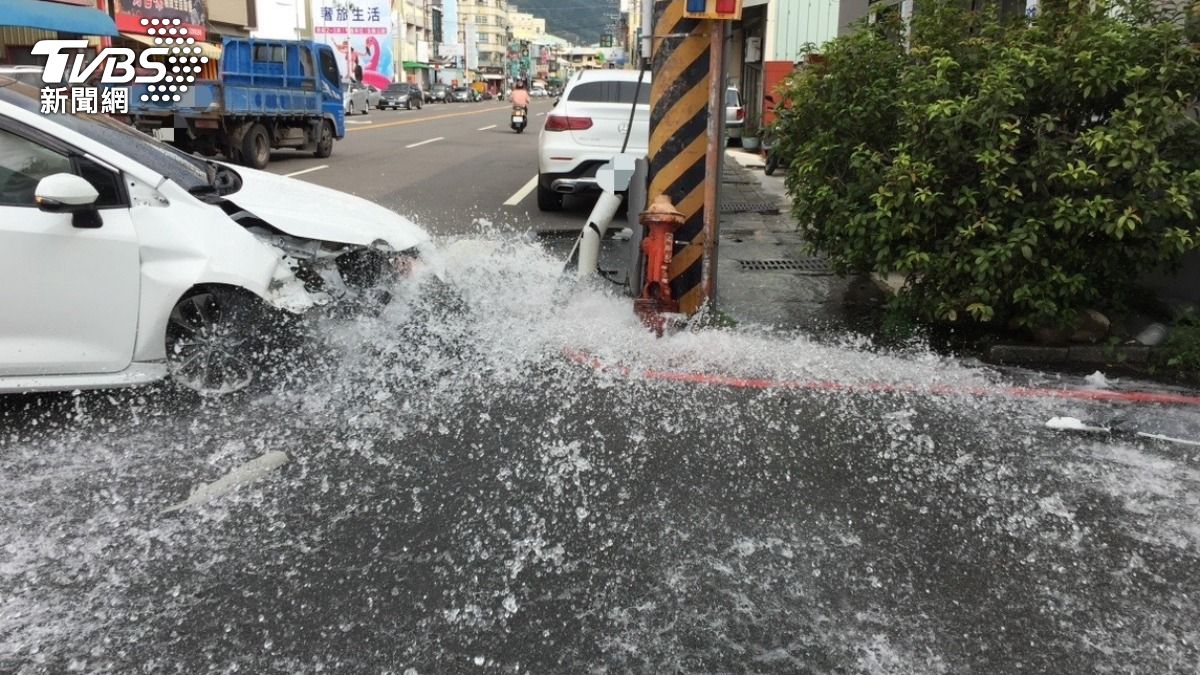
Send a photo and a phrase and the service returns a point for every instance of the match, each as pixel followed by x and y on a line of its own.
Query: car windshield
pixel 732 99
pixel 398 89
pixel 192 173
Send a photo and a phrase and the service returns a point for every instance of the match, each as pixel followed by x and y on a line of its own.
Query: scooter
pixel 520 118
pixel 770 156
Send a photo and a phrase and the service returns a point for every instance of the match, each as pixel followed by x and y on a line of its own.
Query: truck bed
pixel 216 99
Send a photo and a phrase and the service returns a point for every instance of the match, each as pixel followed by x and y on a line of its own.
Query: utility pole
pixel 688 43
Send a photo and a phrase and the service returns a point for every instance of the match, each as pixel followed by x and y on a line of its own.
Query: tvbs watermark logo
pixel 75 85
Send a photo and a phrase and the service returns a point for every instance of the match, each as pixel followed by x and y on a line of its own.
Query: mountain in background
pixel 580 21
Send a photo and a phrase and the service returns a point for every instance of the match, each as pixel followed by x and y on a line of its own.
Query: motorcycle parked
pixel 520 118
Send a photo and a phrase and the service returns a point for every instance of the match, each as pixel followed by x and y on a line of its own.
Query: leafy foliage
pixel 1183 347
pixel 1013 170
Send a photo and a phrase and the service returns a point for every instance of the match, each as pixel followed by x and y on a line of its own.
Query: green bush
pixel 1015 171
pixel 1182 349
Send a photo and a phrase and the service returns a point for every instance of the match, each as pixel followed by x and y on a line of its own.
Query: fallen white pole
pixel 593 233
pixel 613 178
pixel 249 472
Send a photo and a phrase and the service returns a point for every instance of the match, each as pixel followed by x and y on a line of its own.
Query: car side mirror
pixel 556 102
pixel 68 193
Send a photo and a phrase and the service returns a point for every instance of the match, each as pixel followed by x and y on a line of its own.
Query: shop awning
pixel 414 65
pixel 491 76
pixel 57 17
pixel 206 48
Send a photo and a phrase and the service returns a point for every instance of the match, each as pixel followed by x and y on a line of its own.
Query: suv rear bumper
pixel 580 179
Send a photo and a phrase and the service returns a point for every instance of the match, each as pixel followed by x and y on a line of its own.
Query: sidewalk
pixel 764 276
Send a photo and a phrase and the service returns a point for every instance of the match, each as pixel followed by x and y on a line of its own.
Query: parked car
pixel 735 113
pixel 439 93
pixel 402 95
pixel 373 96
pixel 355 99
pixel 463 95
pixel 124 260
pixel 586 128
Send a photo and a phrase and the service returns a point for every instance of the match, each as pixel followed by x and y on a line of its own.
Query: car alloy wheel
pixel 218 341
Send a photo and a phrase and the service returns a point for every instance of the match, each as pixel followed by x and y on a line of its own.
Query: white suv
pixel 586 128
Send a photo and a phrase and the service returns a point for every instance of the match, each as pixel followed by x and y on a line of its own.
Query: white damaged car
pixel 123 260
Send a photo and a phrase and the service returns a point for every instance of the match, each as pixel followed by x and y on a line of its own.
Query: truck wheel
pixel 325 141
pixel 547 199
pixel 256 147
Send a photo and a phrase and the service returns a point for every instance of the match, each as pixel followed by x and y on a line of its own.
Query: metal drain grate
pixel 804 265
pixel 749 207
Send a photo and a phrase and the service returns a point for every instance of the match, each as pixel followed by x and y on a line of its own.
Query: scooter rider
pixel 520 97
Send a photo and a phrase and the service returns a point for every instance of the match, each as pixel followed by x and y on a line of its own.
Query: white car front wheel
pixel 221 340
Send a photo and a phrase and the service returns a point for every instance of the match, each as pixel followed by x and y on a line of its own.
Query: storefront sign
pixel 192 15
pixel 360 32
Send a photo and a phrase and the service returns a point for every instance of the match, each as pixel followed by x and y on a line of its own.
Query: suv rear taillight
pixel 741 113
pixel 567 123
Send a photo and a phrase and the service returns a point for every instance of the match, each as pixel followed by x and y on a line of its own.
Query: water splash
pixel 462 498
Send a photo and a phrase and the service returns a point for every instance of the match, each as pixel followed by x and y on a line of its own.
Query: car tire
pixel 772 164
pixel 324 141
pixel 256 147
pixel 547 199
pixel 222 340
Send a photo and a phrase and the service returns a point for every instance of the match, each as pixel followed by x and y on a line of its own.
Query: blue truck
pixel 271 94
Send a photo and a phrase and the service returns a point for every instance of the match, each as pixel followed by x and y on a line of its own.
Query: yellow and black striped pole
pixel 679 140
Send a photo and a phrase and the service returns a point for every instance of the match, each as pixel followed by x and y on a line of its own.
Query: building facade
pixel 489 19
pixel 413 39
pixel 525 26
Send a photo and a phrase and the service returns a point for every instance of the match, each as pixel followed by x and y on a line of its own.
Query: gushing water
pixel 464 496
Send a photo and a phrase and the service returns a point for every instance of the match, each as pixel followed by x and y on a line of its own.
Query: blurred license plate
pixel 518 119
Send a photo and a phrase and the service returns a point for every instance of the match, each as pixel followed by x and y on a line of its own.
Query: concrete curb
pixel 1083 355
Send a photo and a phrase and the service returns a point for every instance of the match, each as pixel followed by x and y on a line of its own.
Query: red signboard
pixel 191 14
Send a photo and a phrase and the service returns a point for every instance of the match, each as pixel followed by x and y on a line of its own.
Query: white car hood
pixel 310 211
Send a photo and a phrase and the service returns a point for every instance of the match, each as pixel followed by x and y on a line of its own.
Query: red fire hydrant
pixel 662 220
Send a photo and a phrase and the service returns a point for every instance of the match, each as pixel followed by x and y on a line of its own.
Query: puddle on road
pixel 462 498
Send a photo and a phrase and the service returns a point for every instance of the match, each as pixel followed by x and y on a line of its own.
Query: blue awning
pixel 56 16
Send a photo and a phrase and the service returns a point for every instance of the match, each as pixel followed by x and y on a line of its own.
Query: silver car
pixel 373 97
pixel 355 99
pixel 735 113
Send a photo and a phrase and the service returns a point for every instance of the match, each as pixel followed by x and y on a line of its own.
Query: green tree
pixel 1018 170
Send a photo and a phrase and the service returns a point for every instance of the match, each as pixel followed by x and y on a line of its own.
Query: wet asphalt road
pixel 465 165
pixel 461 498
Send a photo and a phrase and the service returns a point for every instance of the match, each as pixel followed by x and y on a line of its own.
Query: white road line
pixel 522 193
pixel 432 140
pixel 359 122
pixel 486 128
pixel 541 114
pixel 304 171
